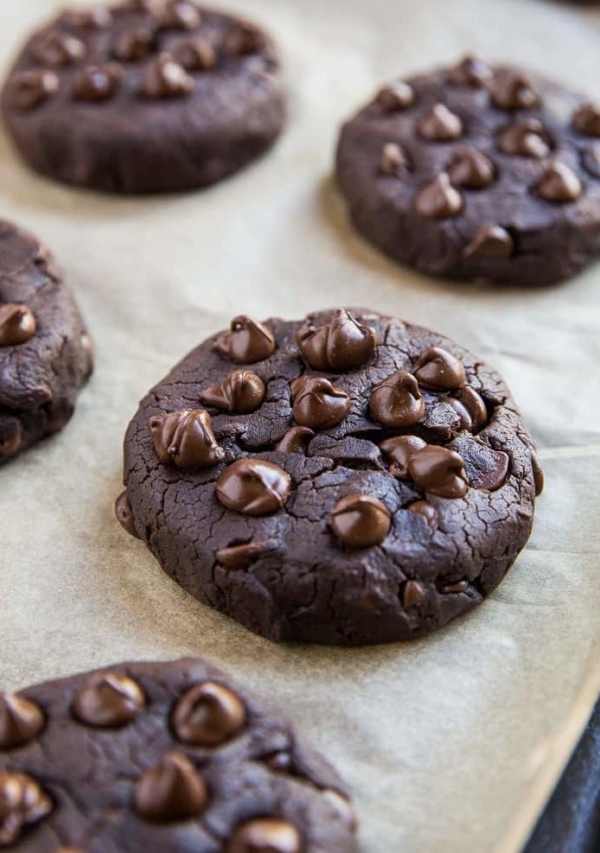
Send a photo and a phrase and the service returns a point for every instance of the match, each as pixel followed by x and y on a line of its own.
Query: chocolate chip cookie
pixel 161 757
pixel 148 96
pixel 346 479
pixel 477 172
pixel 45 351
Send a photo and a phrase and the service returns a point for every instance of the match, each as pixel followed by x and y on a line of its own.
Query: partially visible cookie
pixel 45 351
pixel 164 758
pixel 144 97
pixel 477 172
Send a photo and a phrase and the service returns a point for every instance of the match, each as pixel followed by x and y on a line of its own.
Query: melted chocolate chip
pixel 587 120
pixel 172 790
pixel 185 439
pixel 318 404
pixel 511 90
pixel 394 160
pixel 244 40
pixel 413 594
pixel 397 401
pixel 439 471
pixel 253 487
pixel 30 89
pixel 360 521
pixel 265 835
pixel 398 451
pixel 471 169
pixel 396 97
pixel 439 124
pixel 247 342
pixel 21 721
pixel 454 588
pixel 239 557
pixel 208 714
pixel 487 469
pixel 438 199
pixel 108 700
pixel 180 15
pixel 97 83
pixel 341 345
pixel 559 184
pixel 196 54
pixel 166 78
pixel 427 512
pixel 135 44
pixel 295 440
pixel 342 807
pixel 242 392
pixel 280 762
pixel 491 241
pixel 22 803
pixel 470 71
pixel 538 475
pixel 124 514
pixel 17 324
pixel 57 49
pixel 527 138
pixel 11 437
pixel 438 370
pixel 472 408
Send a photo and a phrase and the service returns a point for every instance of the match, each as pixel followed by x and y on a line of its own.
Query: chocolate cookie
pixel 477 172
pixel 45 352
pixel 149 96
pixel 345 479
pixel 161 757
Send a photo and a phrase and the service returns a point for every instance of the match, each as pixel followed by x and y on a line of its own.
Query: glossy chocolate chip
pixel 280 762
pixel 471 407
pixel 185 439
pixel 512 90
pixel 240 557
pixel 244 40
pixel 438 199
pixel 22 804
pixel 196 54
pixel 453 588
pixel 208 714
pixel 491 241
pixel 97 83
pixel 587 120
pixel 11 437
pixel 57 49
pixel 397 451
pixel 295 440
pixel 342 807
pixel 394 160
pixel 396 97
pixel 538 475
pixel 247 342
pixel 134 44
pixel 360 521
pixel 21 721
pixel 440 124
pixel 471 169
pixel 397 401
pixel 17 324
pixel 487 469
pixel 318 404
pixel 172 790
pixel 527 138
pixel 344 343
pixel 166 78
pixel 30 89
pixel 559 184
pixel 439 471
pixel 438 370
pixel 265 835
pixel 413 594
pixel 470 71
pixel 124 514
pixel 108 700
pixel 253 487
pixel 180 15
pixel 242 392
pixel 427 512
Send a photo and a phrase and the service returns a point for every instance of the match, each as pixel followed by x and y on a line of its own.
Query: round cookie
pixel 45 351
pixel 144 97
pixel 161 757
pixel 346 479
pixel 478 173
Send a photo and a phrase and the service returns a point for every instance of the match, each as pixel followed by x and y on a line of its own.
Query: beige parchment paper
pixel 449 744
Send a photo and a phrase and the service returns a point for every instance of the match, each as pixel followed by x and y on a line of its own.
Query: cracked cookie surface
pixel 382 484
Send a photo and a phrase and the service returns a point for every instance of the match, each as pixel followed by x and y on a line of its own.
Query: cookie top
pixel 45 351
pixel 143 97
pixel 346 479
pixel 477 172
pixel 163 757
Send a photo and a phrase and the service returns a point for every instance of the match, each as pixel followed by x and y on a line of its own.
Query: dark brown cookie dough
pixel 384 485
pixel 164 758
pixel 144 97
pixel 45 351
pixel 477 172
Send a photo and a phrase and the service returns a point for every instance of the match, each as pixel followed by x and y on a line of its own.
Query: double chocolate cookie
pixel 477 172
pixel 164 758
pixel 345 479
pixel 45 352
pixel 149 96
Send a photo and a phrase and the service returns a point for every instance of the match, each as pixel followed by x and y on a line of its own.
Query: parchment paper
pixel 449 744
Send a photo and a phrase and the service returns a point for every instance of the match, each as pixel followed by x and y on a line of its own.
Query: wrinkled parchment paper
pixel 450 744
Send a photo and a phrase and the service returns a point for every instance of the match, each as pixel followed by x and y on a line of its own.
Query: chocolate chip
pixel 587 120
pixel 454 588
pixel 512 90
pixel 29 89
pixel 242 392
pixel 438 199
pixel 344 343
pixel 438 370
pixel 394 160
pixel 56 49
pixel 427 512
pixel 538 475
pixel 240 557
pixel 439 124
pixel 342 807
pixel 396 97
pixel 559 184
pixel 108 700
pixel 398 451
pixel 208 714
pixel 124 514
pixel 135 44
pixel 317 403
pixel 17 324
pixel 172 790
pixel 11 437
pixel 180 15
pixel 265 835
pixel 244 40
pixel 470 71
pixel 96 18
pixel 247 342
pixel 22 803
pixel 21 721
pixel 185 439
pixel 471 169
pixel 166 78
pixel 486 468
pixel 196 54
pixel 527 138
pixel 97 83
pixel 280 762
pixel 397 401
pixel 491 241
pixel 253 487
pixel 295 440
pixel 360 521
pixel 439 471
pixel 413 594
pixel 473 406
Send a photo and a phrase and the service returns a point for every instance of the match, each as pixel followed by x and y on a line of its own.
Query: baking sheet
pixel 449 744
